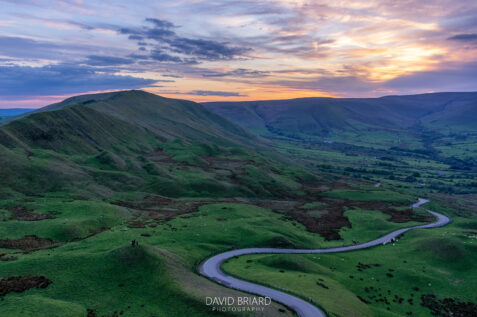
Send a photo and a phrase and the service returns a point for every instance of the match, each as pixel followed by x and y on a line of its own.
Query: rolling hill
pixel 109 202
pixel 321 116
pixel 134 141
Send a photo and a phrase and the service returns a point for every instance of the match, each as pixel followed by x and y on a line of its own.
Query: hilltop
pixel 323 116
pixel 132 140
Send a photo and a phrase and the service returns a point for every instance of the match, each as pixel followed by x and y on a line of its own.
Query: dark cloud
pixel 159 34
pixel 205 49
pixel 99 60
pixel 470 37
pixel 214 93
pixel 171 75
pixel 160 23
pixel 239 72
pixel 164 81
pixel 173 48
pixel 17 82
pixel 136 37
pixel 160 56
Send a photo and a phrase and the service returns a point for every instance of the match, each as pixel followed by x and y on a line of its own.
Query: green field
pixel 437 261
pixel 105 266
pixel 82 180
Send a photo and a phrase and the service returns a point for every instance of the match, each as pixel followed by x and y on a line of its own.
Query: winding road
pixel 211 267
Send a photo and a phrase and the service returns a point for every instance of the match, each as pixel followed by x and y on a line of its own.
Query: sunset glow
pixel 235 50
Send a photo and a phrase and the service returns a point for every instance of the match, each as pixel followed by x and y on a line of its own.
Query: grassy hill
pixel 322 116
pixel 352 133
pixel 81 179
pixel 166 118
pixel 95 145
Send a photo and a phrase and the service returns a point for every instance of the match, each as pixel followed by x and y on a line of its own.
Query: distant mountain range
pixel 9 114
pixel 320 116
pixel 13 111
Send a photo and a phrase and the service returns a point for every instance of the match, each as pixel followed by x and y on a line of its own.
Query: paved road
pixel 211 267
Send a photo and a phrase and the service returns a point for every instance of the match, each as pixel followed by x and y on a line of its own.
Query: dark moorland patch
pixel 157 208
pixel 448 306
pixel 91 312
pixel 363 300
pixel 5 258
pixel 20 284
pixel 329 224
pixel 22 213
pixel 28 243
pixel 361 266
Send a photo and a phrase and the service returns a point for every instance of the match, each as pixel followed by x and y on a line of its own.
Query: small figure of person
pixel 133 243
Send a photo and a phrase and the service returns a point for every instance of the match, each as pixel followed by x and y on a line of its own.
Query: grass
pixel 108 279
pixel 75 162
pixel 369 225
pixel 103 272
pixel 106 274
pixel 437 261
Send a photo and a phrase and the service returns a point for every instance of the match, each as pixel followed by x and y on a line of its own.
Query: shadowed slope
pixel 318 116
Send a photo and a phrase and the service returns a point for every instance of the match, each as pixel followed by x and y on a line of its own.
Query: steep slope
pixel 167 118
pixel 96 145
pixel 319 116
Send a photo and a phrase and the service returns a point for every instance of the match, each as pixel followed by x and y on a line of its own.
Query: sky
pixel 231 50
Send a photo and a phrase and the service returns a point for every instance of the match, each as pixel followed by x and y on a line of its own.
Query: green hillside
pixel 322 116
pixel 352 133
pixel 100 144
pixel 83 178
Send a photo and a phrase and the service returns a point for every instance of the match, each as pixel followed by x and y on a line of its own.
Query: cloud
pixel 239 72
pixel 161 56
pixel 453 77
pixel 160 23
pixel 173 48
pixel 16 82
pixel 268 48
pixel 449 77
pixel 206 49
pixel 25 48
pixel 471 37
pixel 19 47
pixel 99 60
pixel 214 93
pixel 136 38
pixel 171 75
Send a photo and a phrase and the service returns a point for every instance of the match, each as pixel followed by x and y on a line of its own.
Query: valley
pixel 81 179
